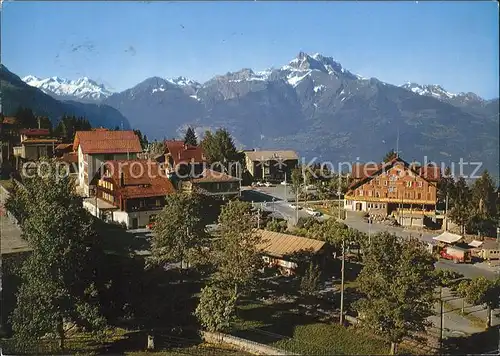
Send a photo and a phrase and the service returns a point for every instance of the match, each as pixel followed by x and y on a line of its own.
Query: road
pixel 468 270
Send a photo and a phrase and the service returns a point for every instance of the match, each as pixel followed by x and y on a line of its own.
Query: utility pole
pixel 258 218
pixel 441 318
pixel 297 207
pixel 342 285
pixel 285 195
pixel 446 213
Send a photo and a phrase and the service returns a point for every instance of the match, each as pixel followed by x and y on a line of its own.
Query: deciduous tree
pixel 482 291
pixel 398 286
pixel 236 254
pixel 179 229
pixel 216 308
pixel 58 276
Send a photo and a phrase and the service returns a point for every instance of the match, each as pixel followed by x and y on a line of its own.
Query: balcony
pixel 390 200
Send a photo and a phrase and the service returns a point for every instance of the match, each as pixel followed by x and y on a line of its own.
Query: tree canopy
pixel 398 285
pixel 219 147
pixel 58 276
pixel 190 137
pixel 390 156
pixel 68 125
pixel 481 291
pixel 179 229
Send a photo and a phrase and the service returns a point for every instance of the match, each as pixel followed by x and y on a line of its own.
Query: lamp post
pixel 342 285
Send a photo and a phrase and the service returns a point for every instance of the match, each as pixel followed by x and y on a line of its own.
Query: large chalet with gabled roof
pixel 98 146
pixel 130 192
pixel 395 188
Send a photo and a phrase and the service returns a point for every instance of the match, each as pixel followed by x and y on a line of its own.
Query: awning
pixel 475 243
pixel 448 237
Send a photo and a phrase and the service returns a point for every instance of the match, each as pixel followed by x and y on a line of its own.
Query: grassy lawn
pixel 284 327
pixel 6 183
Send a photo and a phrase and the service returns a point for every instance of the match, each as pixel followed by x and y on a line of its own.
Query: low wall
pixel 242 344
pixel 4 195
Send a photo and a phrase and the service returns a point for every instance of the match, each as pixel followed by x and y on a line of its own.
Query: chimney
pixel 122 180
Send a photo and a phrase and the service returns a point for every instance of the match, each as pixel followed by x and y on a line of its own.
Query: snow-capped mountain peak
pixel 183 81
pixel 434 90
pixel 81 88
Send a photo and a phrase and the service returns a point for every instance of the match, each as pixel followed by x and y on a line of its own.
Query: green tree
pixel 482 291
pixel 236 254
pixel 461 213
pixel 26 119
pixel 216 308
pixel 58 276
pixel 483 205
pixel 190 137
pixel 446 185
pixel 219 147
pixel 142 139
pixel 179 230
pixel 389 156
pixel 297 180
pixel 310 282
pixel 398 286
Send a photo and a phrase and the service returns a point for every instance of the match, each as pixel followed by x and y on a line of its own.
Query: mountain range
pixel 315 106
pixel 16 93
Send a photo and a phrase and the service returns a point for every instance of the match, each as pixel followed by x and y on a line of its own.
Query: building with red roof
pixel 394 188
pixel 130 192
pixel 98 146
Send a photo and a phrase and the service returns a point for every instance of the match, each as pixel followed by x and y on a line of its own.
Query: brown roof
pixel 63 146
pixel 70 157
pixel 35 132
pixel 271 155
pixel 141 178
pixel 278 245
pixel 364 171
pixel 10 120
pixel 182 153
pixel 210 175
pixel 40 140
pixel 105 141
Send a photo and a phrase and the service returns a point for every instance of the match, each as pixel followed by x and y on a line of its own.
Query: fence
pixel 243 344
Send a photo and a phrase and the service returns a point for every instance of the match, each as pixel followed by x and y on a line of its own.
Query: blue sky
pixel 454 44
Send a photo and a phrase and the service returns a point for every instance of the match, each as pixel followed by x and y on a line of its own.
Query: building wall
pixel 127 218
pixel 397 185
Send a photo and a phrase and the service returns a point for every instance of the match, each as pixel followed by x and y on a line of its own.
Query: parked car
pixel 295 206
pixel 284 183
pixel 267 184
pixel 312 212
pixel 259 184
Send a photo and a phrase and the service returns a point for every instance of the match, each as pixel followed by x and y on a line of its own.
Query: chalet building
pixel 62 149
pixel 181 160
pixel 35 144
pixel 394 188
pixel 98 146
pixel 272 166
pixel 283 251
pixel 212 183
pixel 129 192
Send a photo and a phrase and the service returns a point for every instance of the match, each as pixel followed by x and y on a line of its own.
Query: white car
pixel 259 184
pixel 267 184
pixel 284 183
pixel 312 212
pixel 294 206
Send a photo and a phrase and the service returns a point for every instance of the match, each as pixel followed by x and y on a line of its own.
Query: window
pixel 157 202
pixel 360 193
pixel 385 182
pixel 370 193
pixel 420 184
pixel 377 194
pixel 409 184
pixel 419 196
pixel 141 203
